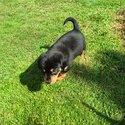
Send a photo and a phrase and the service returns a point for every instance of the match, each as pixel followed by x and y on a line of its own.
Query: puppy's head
pixel 50 65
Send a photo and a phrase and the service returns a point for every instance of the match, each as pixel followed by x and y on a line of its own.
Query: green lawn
pixel 92 94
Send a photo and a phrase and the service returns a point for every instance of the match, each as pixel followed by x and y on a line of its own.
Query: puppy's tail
pixel 75 24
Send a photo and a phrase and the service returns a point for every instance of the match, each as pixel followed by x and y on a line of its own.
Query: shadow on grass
pixel 32 77
pixel 109 74
pixel 110 120
pixel 45 47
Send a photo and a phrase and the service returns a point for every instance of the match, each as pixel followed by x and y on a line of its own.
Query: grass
pixel 92 94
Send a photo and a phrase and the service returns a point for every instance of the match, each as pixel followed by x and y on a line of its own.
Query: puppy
pixel 57 60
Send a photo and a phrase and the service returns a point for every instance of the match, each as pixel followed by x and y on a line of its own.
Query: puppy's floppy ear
pixel 41 60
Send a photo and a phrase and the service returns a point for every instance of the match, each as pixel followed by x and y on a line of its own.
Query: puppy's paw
pixel 62 76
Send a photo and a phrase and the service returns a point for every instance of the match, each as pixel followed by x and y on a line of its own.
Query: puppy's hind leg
pixel 82 57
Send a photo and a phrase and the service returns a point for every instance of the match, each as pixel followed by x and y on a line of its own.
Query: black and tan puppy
pixel 57 60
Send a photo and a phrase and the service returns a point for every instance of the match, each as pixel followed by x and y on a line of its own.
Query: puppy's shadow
pixel 109 75
pixel 32 77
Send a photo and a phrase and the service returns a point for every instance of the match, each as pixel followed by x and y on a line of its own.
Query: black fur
pixel 63 51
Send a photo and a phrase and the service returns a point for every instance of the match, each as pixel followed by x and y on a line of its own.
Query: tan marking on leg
pixel 53 79
pixel 82 59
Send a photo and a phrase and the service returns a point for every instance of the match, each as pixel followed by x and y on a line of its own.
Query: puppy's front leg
pixel 62 76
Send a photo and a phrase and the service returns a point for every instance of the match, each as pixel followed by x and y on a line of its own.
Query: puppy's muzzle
pixel 51 79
